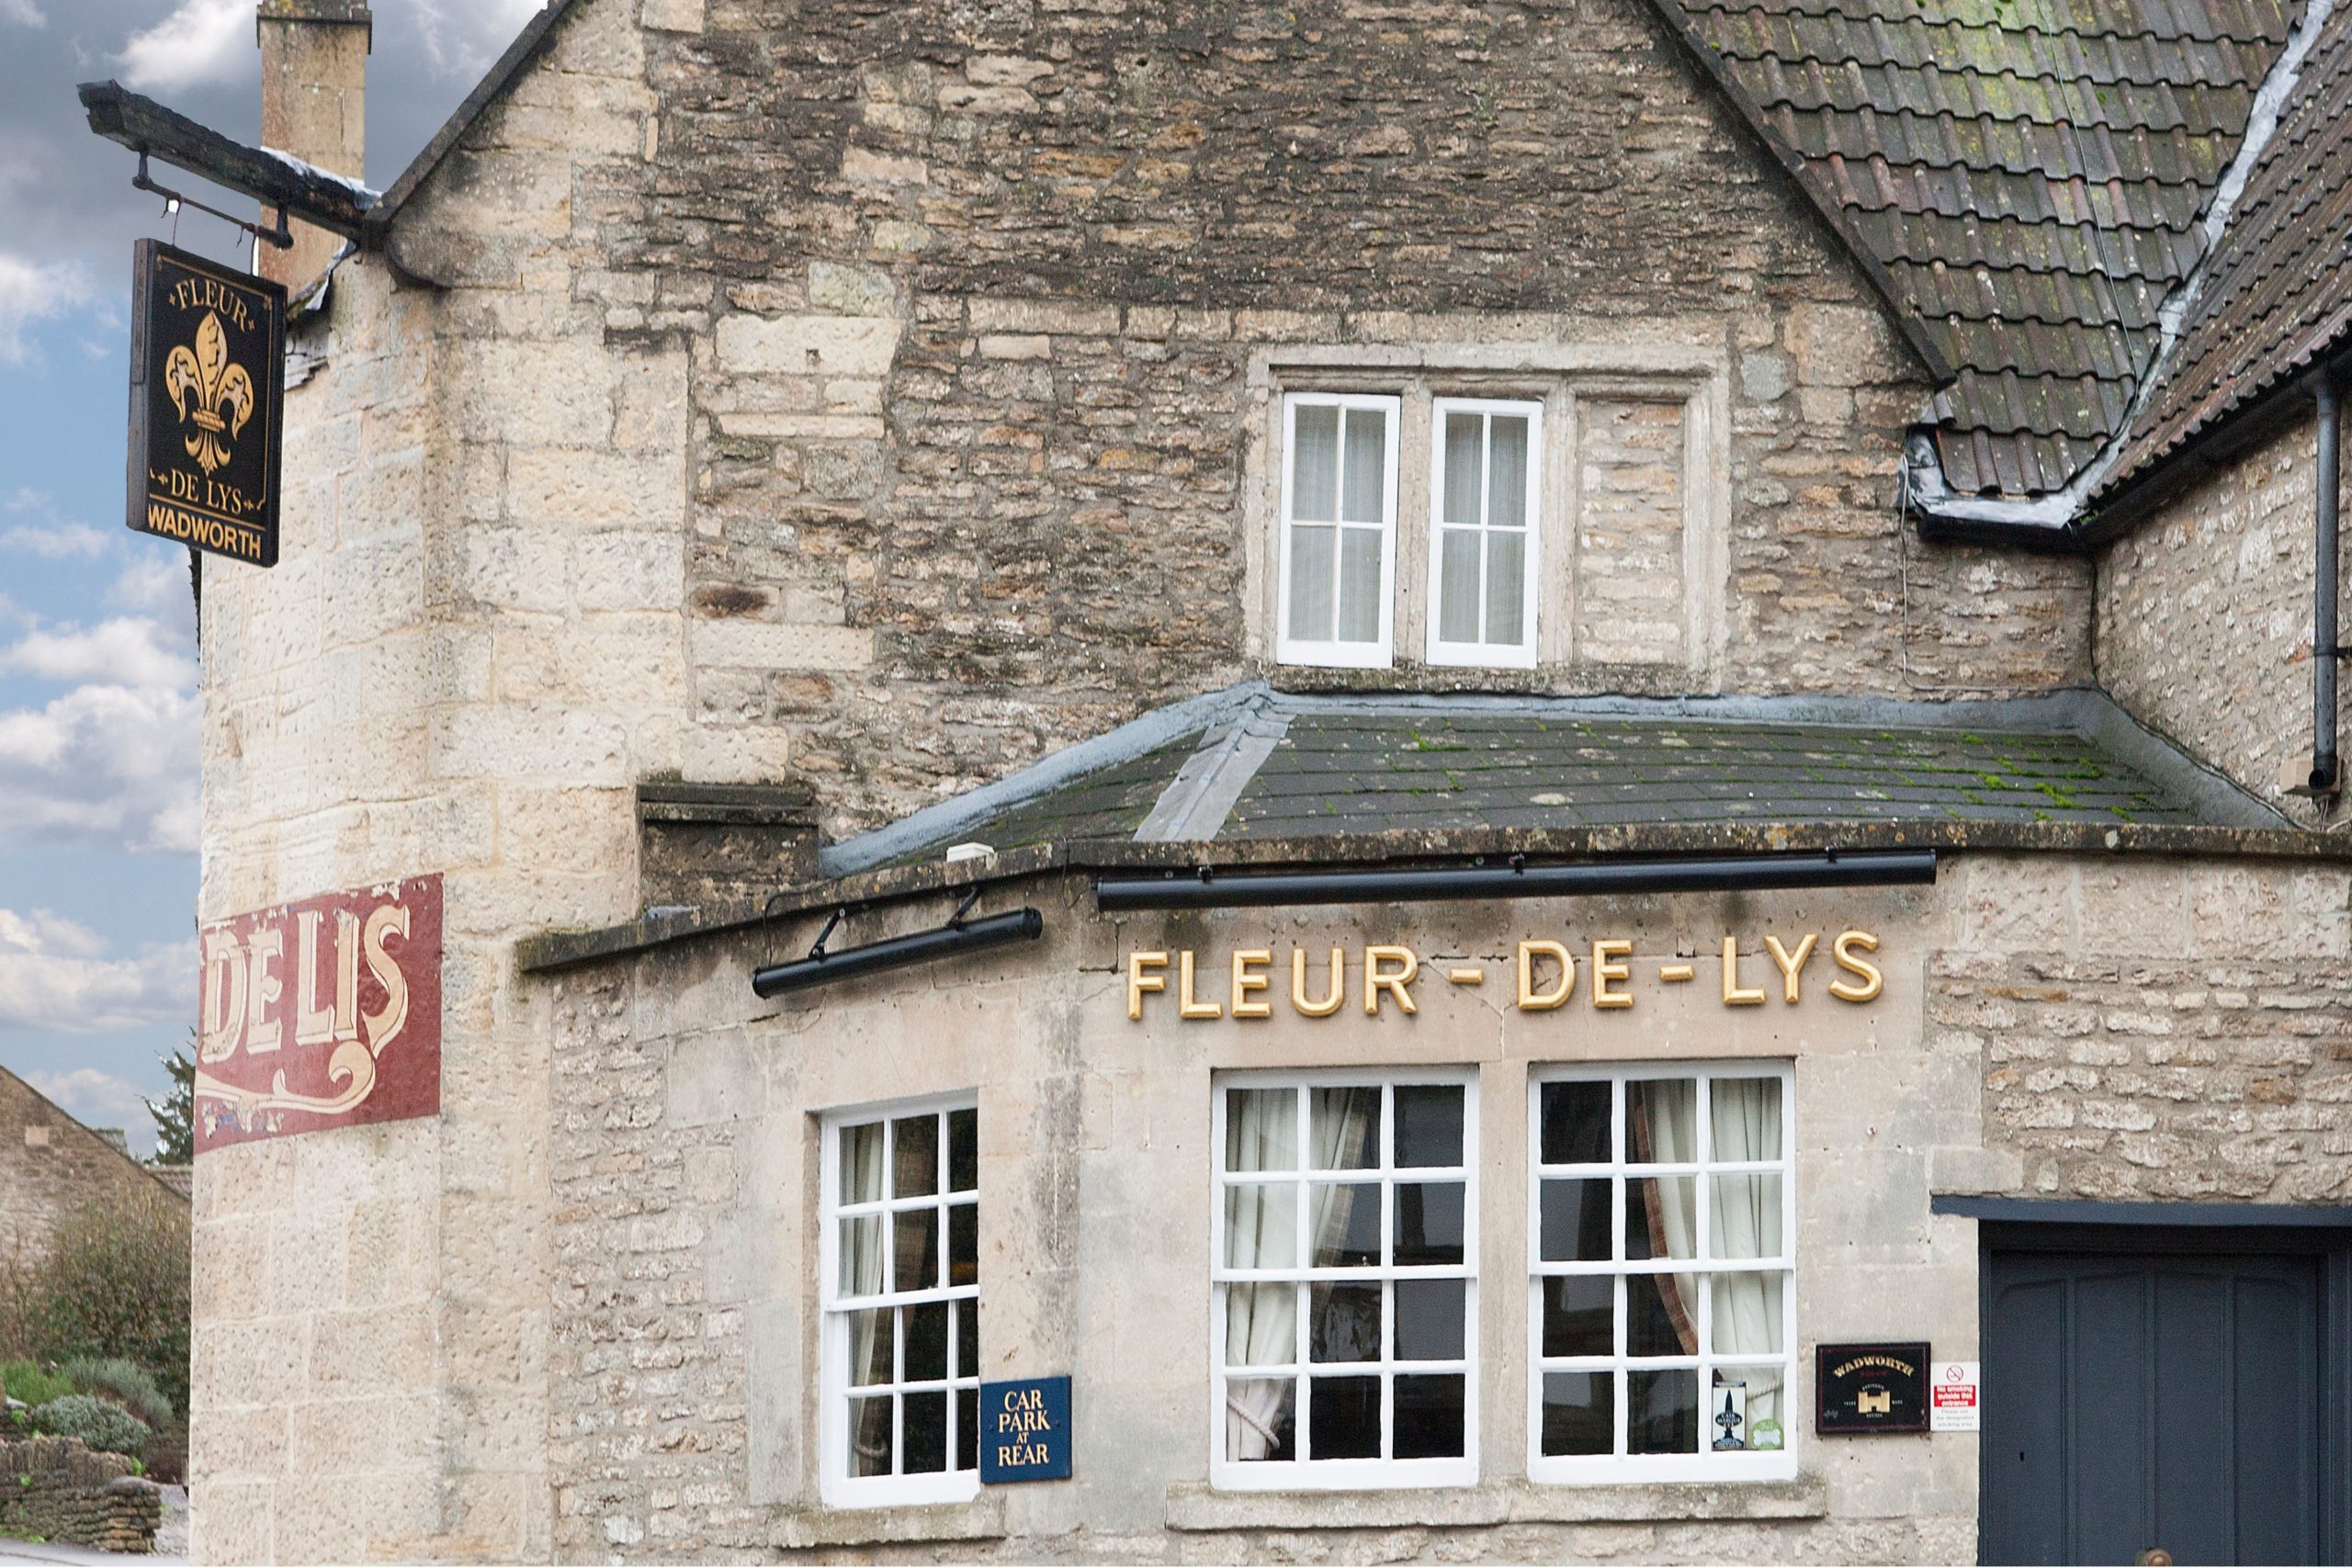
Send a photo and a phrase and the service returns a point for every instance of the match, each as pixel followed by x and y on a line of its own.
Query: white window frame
pixel 838 1487
pixel 1337 655
pixel 1347 1474
pixel 1621 1467
pixel 1485 655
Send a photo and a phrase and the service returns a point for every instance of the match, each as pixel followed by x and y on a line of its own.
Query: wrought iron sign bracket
pixel 281 237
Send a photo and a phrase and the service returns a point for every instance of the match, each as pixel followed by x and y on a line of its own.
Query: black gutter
pixel 895 953
pixel 1206 889
pixel 2325 641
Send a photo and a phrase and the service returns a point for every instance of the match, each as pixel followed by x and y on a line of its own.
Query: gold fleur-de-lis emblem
pixel 211 393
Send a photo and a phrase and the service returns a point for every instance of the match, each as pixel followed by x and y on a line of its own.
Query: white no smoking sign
pixel 1955 1401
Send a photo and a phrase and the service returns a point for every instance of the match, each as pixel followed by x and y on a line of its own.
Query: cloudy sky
pixel 98 711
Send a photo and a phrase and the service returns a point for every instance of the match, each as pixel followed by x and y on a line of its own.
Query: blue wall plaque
pixel 1024 1430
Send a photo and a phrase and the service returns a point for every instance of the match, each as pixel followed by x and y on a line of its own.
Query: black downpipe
pixel 1208 890
pixel 2325 642
pixel 895 953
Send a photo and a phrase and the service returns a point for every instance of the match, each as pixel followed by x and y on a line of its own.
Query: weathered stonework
pixel 55 1489
pixel 2205 619
pixel 51 1166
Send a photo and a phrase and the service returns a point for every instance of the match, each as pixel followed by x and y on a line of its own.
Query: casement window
pixel 1339 530
pixel 1662 1307
pixel 1345 1295
pixel 901 1292
pixel 1484 532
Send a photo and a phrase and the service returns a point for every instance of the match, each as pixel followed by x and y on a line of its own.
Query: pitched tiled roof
pixel 2029 174
pixel 2279 290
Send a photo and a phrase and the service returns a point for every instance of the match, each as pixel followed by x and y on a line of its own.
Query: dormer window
pixel 1483 532
pixel 1340 531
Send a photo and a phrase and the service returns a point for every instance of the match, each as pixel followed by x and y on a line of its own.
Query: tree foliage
pixel 175 1114
pixel 115 1282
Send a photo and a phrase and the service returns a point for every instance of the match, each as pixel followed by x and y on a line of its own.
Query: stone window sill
pixel 1195 1507
pixel 982 1518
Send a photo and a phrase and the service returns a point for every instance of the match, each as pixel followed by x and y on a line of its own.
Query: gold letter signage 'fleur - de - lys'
pixel 211 393
pixel 208 386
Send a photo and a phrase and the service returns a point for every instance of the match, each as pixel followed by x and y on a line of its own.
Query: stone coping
pixel 1195 1507
pixel 982 1518
pixel 553 951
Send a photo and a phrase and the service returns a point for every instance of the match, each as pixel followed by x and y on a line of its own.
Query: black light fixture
pixel 1208 889
pixel 958 935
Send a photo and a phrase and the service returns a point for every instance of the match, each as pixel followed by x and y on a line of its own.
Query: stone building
pixel 1515 760
pixel 51 1167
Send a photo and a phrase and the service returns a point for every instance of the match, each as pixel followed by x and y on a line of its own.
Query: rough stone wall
pixel 2174 1031
pixel 2205 617
pixel 51 1165
pixel 56 1489
pixel 977 287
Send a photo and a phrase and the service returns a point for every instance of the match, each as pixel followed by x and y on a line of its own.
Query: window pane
pixel 1359 585
pixel 967 1430
pixel 916 1249
pixel 926 1434
pixel 926 1342
pixel 1661 1314
pixel 1661 1216
pixel 1579 1413
pixel 1261 1325
pixel 1661 1121
pixel 1314 463
pixel 1262 1129
pixel 1745 1318
pixel 1745 1113
pixel 1465 468
pixel 869 1436
pixel 861 1256
pixel 967 1338
pixel 964 1150
pixel 1346 1131
pixel 1258 1419
pixel 1313 552
pixel 1575 1221
pixel 1457 588
pixel 914 1155
pixel 1343 1417
pixel 862 1163
pixel 1759 1389
pixel 1662 1412
pixel 1575 1124
pixel 1579 1314
pixel 1347 1225
pixel 1507 497
pixel 1744 1216
pixel 1343 1323
pixel 1506 588
pixel 1429 1222
pixel 1429 1125
pixel 964 1245
pixel 1431 1319
pixel 871 1351
pixel 1429 1416
pixel 1363 495
pixel 1261 1225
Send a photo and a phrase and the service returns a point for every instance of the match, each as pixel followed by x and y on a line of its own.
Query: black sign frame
pixel 199 471
pixel 1863 1390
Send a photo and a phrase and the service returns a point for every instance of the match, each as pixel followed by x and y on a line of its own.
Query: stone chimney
pixel 314 105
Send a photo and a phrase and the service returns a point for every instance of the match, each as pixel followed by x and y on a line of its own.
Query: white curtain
pixel 865 1253
pixel 1261 1232
pixel 1665 1118
pixel 1745 1116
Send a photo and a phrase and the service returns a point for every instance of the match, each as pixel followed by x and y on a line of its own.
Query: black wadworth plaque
pixel 1864 1389
pixel 208 385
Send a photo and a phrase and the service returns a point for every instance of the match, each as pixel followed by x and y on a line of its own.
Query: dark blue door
pixel 2137 1404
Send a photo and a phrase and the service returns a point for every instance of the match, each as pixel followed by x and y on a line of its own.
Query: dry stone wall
pixel 57 1490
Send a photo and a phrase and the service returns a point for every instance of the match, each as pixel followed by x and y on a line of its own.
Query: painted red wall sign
pixel 325 1013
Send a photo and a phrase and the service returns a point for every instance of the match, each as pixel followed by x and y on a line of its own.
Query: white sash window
pixel 1339 530
pixel 1484 532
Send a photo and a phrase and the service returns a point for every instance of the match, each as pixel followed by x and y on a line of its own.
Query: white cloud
pixel 54 541
pixel 125 651
pixel 22 11
pixel 106 764
pixel 34 291
pixel 57 975
pixel 464 46
pixel 200 42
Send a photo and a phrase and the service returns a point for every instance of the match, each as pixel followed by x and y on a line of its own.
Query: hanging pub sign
pixel 1864 1389
pixel 208 389
pixel 320 1014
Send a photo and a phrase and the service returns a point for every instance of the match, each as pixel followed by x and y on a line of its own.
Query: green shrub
pixel 122 1381
pixel 104 1425
pixel 25 1382
pixel 114 1283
